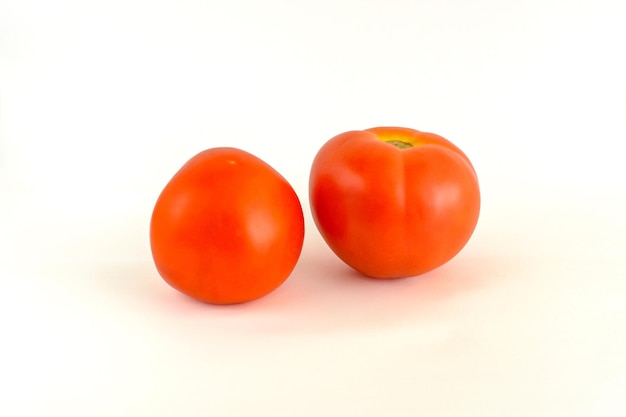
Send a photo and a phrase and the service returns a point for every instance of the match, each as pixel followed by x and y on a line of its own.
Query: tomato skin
pixel 390 212
pixel 227 228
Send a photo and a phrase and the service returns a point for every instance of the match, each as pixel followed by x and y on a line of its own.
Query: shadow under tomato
pixel 322 295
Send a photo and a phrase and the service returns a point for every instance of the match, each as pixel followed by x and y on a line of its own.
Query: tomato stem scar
pixel 399 144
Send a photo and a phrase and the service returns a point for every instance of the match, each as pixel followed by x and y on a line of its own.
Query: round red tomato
pixel 227 228
pixel 393 202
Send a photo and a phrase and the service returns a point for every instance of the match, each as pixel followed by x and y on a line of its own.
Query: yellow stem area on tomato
pixel 399 143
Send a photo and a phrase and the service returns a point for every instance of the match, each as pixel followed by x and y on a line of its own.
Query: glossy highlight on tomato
pixel 227 228
pixel 393 202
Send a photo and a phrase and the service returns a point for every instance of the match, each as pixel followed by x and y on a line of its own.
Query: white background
pixel 102 101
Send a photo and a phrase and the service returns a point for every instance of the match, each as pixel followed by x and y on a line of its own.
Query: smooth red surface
pixel 227 228
pixel 390 212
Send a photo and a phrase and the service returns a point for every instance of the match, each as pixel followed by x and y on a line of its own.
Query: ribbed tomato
pixel 393 202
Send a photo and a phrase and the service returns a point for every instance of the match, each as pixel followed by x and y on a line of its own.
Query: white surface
pixel 100 102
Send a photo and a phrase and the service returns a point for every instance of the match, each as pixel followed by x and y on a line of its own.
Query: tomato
pixel 227 228
pixel 393 202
